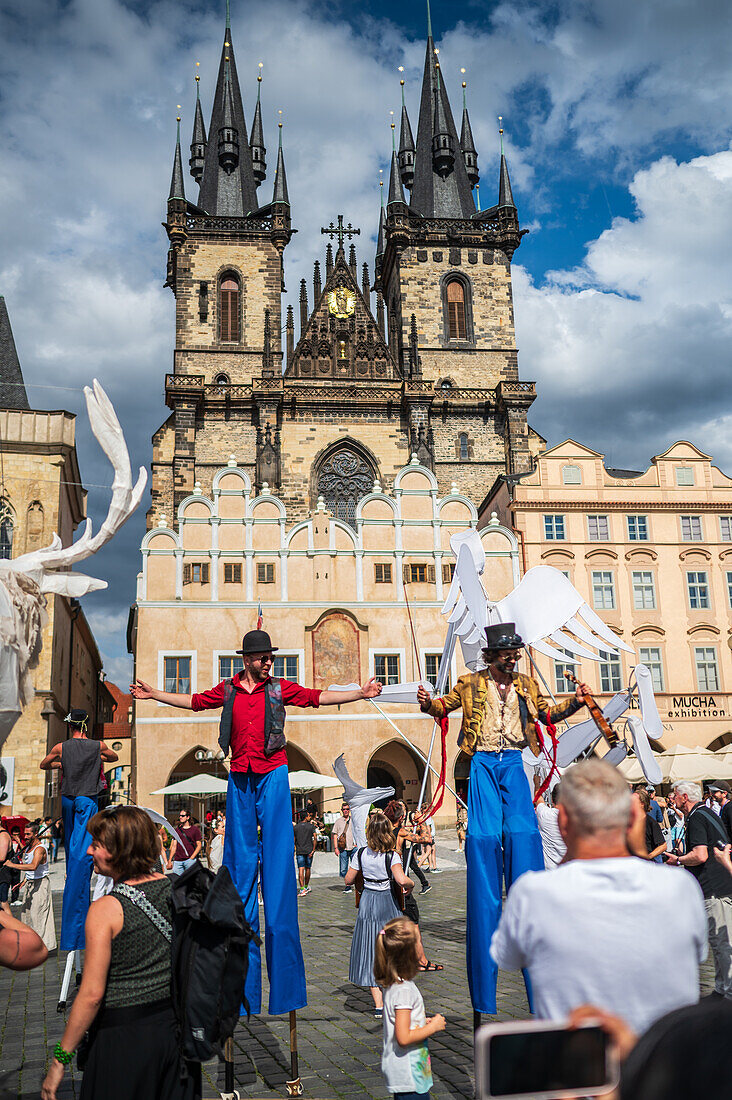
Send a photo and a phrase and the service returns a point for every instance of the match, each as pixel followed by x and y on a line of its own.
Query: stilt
pixel 477 1021
pixel 294 1087
pixel 71 961
pixel 229 1093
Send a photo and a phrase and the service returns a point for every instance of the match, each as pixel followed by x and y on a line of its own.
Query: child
pixel 405 1061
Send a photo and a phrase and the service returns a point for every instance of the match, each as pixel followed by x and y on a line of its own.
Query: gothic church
pixel 416 355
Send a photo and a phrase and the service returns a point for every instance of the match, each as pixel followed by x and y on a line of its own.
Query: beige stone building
pixel 651 552
pixel 41 494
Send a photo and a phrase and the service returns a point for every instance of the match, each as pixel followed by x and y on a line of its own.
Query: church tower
pixel 225 268
pixel 444 270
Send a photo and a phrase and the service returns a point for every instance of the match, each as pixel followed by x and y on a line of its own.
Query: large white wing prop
pixel 359 799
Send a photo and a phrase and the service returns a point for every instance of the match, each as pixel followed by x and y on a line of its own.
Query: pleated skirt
pixel 375 909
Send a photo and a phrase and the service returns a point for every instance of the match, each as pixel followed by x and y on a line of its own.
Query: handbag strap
pixel 136 897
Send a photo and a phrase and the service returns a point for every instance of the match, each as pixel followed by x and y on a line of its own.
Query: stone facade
pixel 651 553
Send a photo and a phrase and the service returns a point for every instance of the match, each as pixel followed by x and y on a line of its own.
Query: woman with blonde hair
pixel 379 865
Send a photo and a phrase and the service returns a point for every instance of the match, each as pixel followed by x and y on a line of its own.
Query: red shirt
pixel 247 721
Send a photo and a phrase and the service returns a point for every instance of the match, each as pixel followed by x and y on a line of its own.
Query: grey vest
pixel 81 762
pixel 274 717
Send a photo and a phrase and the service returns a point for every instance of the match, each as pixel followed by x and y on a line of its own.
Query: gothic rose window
pixel 344 478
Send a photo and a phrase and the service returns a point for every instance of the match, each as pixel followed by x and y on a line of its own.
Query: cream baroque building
pixel 334 599
pixel 651 552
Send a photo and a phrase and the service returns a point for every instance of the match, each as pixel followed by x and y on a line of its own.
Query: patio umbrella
pixel 201 785
pixel 682 762
pixel 303 781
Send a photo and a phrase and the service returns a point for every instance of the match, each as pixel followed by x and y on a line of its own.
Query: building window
pixel 603 590
pixel 265 572
pixel 725 528
pixel 571 475
pixel 221 379
pixel 195 572
pixel 611 673
pixel 456 314
pixel 698 586
pixel 729 587
pixel 644 590
pixel 6 531
pixel 684 475
pixel 638 528
pixel 229 310
pixel 229 666
pixel 691 528
pixel 561 684
pixel 650 656
pixel 177 675
pixel 344 478
pixel 386 667
pixel 448 571
pixel 463 446
pixel 554 528
pixel 598 528
pixel 286 666
pixel 707 673
pixel 432 669
pixel 419 574
pixel 232 572
pixel 382 572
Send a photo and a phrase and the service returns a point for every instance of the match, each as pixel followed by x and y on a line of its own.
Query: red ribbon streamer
pixel 551 729
pixel 439 794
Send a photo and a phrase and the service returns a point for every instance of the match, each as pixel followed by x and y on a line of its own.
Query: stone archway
pixel 299 761
pixel 720 743
pixel 187 768
pixel 394 765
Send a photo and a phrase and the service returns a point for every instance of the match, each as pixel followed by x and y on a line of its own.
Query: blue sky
pixel 618 137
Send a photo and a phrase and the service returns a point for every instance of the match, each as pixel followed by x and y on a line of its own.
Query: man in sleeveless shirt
pixel 80 761
pixel 500 707
pixel 252 726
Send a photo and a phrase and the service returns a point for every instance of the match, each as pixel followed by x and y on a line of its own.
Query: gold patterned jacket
pixel 471 692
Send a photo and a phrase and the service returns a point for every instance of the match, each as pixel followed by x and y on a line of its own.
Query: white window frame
pixel 434 651
pixel 725 528
pixel 728 579
pixel 652 664
pixel 692 520
pixel 299 653
pixel 638 537
pixel 609 664
pixel 697 583
pixel 563 686
pixel 388 651
pixel 574 477
pixel 173 652
pixel 603 584
pixel 642 587
pixel 685 477
pixel 705 649
pixel 216 655
pixel 554 516
pixel 600 517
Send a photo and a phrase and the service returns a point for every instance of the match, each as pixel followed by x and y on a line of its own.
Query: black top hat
pixel 77 717
pixel 257 641
pixel 503 636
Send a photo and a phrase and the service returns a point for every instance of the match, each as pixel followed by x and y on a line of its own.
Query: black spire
pixel 406 147
pixel 232 192
pixel 441 186
pixel 396 191
pixel 12 386
pixel 198 143
pixel 382 218
pixel 470 154
pixel 177 190
pixel 505 194
pixel 280 183
pixel 256 142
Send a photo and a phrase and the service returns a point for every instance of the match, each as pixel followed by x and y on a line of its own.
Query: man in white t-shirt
pixel 605 928
pixel 547 818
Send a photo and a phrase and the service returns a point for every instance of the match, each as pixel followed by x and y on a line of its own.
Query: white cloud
pixel 631 350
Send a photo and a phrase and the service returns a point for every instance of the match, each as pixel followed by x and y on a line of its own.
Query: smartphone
pixel 543 1060
pixel 720 845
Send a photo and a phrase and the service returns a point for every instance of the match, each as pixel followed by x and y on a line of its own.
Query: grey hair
pixel 692 790
pixel 595 796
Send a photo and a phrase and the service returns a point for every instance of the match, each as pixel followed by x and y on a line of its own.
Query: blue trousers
pixel 76 814
pixel 264 800
pixel 503 841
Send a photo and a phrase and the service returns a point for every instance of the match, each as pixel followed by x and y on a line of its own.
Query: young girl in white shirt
pixel 405 1060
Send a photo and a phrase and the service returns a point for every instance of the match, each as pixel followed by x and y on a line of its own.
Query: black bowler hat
pixel 503 636
pixel 257 641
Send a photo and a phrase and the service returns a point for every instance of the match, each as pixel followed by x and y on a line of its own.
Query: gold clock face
pixel 341 302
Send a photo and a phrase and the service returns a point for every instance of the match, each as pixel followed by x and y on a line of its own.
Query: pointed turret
pixel 256 141
pixel 328 261
pixel 177 189
pixel 467 145
pixel 198 143
pixel 406 147
pixel 441 186
pixel 505 194
pixel 396 191
pixel 228 188
pixel 12 386
pixel 380 240
pixel 280 184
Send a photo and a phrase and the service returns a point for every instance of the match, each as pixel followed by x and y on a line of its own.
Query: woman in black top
pixel 124 999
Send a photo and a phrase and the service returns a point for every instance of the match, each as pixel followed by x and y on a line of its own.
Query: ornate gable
pixel 341 339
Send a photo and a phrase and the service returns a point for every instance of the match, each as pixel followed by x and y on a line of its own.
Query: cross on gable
pixel 340 231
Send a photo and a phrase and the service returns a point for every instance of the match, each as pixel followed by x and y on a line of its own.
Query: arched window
pixel 221 379
pixel 343 479
pixel 34 525
pixel 229 328
pixel 463 445
pixel 6 531
pixel 456 318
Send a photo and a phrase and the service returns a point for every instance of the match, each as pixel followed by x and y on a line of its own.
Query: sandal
pixel 430 967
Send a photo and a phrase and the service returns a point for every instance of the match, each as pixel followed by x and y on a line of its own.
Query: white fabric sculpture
pixel 359 799
pixel 25 581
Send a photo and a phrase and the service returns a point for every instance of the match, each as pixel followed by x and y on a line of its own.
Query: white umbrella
pixel 311 781
pixel 196 785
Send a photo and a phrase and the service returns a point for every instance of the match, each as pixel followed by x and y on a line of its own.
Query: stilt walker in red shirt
pixel 252 726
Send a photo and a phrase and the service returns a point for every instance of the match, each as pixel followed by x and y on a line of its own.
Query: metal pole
pixel 66 983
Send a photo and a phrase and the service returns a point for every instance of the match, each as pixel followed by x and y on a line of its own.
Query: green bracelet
pixel 65 1057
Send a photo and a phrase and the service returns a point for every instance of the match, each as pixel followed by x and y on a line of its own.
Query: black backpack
pixel 210 960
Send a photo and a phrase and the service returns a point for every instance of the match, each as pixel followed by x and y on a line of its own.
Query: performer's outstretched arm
pixel 141 690
pixel 370 690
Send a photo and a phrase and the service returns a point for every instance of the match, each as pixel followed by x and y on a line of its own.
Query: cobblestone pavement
pixel 339 1041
